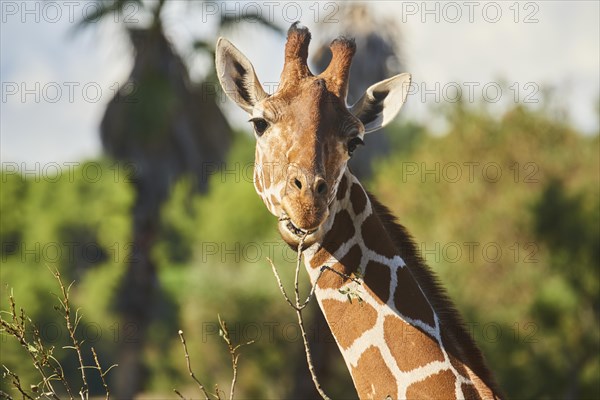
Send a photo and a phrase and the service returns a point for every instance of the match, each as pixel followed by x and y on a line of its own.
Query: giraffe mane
pixel 461 343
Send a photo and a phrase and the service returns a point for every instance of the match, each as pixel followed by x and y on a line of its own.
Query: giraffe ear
pixel 237 77
pixel 381 102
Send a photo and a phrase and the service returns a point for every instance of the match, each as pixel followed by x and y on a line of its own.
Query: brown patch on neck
pixel 478 390
pixel 411 347
pixel 358 198
pixel 348 265
pixel 348 321
pixel 410 300
pixel 372 377
pixel 342 188
pixel 377 281
pixel 376 238
pixel 470 392
pixel 341 231
pixel 437 386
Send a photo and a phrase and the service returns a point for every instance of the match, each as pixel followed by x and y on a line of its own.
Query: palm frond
pixel 203 45
pixel 107 8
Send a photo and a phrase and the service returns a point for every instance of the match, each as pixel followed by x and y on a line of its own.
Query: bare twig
pixel 189 366
pixel 351 293
pixel 297 272
pixel 298 307
pixel 102 373
pixel 40 356
pixel 281 288
pixel 312 290
pixel 309 361
pixel 49 368
pixel 235 356
pixel 45 357
pixel 16 382
pixel 4 395
pixel 218 392
pixel 59 372
pixel 233 352
pixel 343 275
pixel 71 328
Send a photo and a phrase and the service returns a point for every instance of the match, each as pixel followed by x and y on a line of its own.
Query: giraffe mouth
pixel 289 225
pixel 293 235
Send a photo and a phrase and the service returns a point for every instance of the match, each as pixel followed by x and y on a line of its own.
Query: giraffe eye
pixel 353 143
pixel 260 125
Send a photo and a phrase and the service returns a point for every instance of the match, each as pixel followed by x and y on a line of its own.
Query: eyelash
pixel 353 143
pixel 260 125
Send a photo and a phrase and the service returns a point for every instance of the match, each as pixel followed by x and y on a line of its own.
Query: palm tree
pixel 164 128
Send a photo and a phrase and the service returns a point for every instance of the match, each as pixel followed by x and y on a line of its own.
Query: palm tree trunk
pixel 136 302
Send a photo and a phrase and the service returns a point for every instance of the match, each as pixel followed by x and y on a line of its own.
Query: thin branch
pixel 106 390
pixel 71 328
pixel 234 357
pixel 13 311
pixel 297 273
pixel 281 288
pixel 298 307
pixel 44 357
pixel 48 366
pixel 218 392
pixel 312 290
pixel 309 361
pixel 16 382
pixel 39 355
pixel 343 275
pixel 189 366
pixel 58 371
pixel 233 352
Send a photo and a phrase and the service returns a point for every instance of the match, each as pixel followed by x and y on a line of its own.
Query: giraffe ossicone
pixel 404 338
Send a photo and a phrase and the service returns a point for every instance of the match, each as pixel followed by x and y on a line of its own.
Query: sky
pixel 56 80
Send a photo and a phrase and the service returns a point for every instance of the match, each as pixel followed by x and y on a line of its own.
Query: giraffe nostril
pixel 298 183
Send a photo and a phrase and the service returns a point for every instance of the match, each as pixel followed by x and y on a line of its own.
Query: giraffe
pixel 401 337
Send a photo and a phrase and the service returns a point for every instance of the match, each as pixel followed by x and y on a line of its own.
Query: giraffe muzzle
pixel 303 206
pixel 293 234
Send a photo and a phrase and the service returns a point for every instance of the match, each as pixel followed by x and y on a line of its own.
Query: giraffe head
pixel 305 133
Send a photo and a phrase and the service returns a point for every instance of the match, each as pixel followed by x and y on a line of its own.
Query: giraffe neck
pixel 390 334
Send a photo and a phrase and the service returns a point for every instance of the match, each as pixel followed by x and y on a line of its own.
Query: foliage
pixel 567 225
pixel 78 221
pixel 505 210
pixel 52 378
